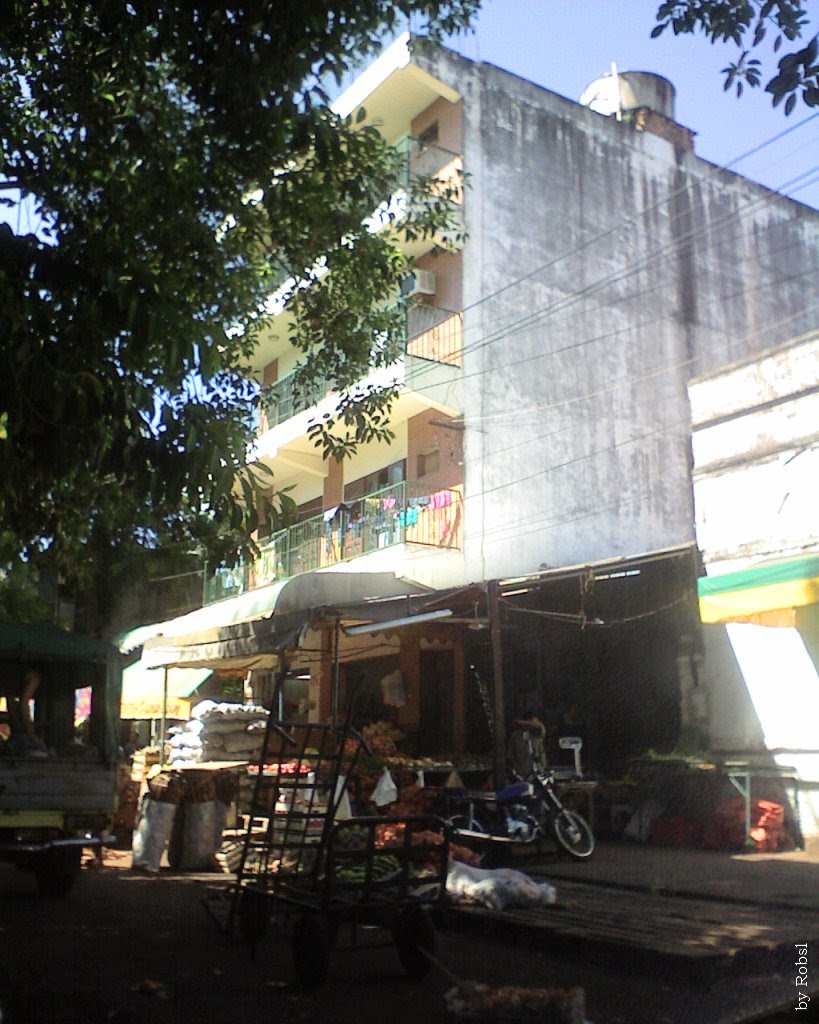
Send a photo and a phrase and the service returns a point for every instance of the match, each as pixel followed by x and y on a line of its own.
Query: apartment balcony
pixel 285 399
pixel 427 160
pixel 432 334
pixel 400 514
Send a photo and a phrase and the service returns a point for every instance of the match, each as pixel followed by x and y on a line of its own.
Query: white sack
pixel 497 889
pixel 152 834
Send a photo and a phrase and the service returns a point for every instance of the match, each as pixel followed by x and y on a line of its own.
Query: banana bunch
pixel 383 865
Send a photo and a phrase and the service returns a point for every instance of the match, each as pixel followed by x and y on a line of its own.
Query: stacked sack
pixel 185 744
pixel 231 732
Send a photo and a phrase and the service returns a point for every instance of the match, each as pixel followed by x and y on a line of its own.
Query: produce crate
pixel 308 862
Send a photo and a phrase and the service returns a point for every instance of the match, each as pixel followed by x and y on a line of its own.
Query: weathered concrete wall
pixel 604 268
pixel 756 456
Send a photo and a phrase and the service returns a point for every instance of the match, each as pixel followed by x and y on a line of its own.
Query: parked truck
pixel 59 741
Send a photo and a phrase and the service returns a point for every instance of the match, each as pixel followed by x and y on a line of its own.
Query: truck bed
pixel 56 784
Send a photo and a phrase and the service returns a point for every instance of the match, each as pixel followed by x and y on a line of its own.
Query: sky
pixel 565 45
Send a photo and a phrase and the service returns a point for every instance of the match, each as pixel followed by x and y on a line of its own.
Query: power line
pixel 629 379
pixel 646 210
pixel 652 259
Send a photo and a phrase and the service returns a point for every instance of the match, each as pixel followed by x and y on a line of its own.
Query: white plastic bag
pixel 639 826
pixel 393 691
pixel 385 792
pixel 341 799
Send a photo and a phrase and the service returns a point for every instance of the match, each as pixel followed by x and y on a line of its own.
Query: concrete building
pixel 543 429
pixel 756 467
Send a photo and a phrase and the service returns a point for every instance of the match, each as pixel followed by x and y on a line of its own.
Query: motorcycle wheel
pixel 573 834
pixel 460 822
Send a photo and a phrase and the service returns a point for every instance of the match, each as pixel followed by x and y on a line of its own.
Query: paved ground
pixel 782 879
pixel 127 949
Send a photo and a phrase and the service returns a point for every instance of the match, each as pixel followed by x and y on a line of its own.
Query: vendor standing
pixel 21 721
pixel 527 752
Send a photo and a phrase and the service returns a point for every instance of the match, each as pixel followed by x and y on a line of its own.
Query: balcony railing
pixel 284 399
pixel 431 333
pixel 426 160
pixel 435 334
pixel 399 514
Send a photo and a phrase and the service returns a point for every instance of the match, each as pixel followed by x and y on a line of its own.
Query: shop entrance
pixel 436 733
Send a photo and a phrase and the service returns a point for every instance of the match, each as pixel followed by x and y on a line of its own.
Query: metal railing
pixel 400 514
pixel 286 398
pixel 425 160
pixel 435 334
pixel 430 333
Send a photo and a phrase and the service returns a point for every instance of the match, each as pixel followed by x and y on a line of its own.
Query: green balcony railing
pixel 400 514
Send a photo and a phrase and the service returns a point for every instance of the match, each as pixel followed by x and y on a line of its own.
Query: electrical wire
pixel 654 259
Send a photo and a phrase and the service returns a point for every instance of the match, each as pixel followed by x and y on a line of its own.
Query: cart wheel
pixel 253 914
pixel 311 949
pixel 414 939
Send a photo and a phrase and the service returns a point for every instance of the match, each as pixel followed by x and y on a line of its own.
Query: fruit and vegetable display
pixel 382 738
pixel 477 1001
pixel 381 868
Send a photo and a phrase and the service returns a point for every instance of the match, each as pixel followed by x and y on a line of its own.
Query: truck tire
pixel 55 872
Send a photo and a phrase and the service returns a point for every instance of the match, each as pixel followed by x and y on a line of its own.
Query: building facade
pixel 543 427
pixel 756 465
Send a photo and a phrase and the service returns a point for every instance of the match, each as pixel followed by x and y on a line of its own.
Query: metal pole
pixel 499 718
pixel 164 719
pixel 336 682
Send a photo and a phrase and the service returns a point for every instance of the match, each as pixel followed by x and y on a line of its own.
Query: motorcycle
pixel 520 813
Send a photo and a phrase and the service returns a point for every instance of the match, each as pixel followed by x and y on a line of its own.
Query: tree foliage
pixel 747 23
pixel 163 166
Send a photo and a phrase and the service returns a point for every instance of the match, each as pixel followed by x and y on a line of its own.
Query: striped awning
pixel 767 593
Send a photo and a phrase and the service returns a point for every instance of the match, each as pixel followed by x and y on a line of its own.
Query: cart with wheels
pixel 326 875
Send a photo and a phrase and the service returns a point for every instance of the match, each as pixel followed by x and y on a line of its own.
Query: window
pixel 428 463
pixel 385 477
pixel 429 135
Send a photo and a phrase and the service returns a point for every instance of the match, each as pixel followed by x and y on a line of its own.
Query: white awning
pixel 144 694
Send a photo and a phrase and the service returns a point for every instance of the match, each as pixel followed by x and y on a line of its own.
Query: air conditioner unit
pixel 418 282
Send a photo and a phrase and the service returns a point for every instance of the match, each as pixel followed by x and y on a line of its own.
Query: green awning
pixel 760 590
pixel 50 643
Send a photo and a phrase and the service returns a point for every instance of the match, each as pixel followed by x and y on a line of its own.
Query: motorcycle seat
pixel 514 791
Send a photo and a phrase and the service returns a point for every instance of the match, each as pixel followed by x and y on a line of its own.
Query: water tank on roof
pixel 620 91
